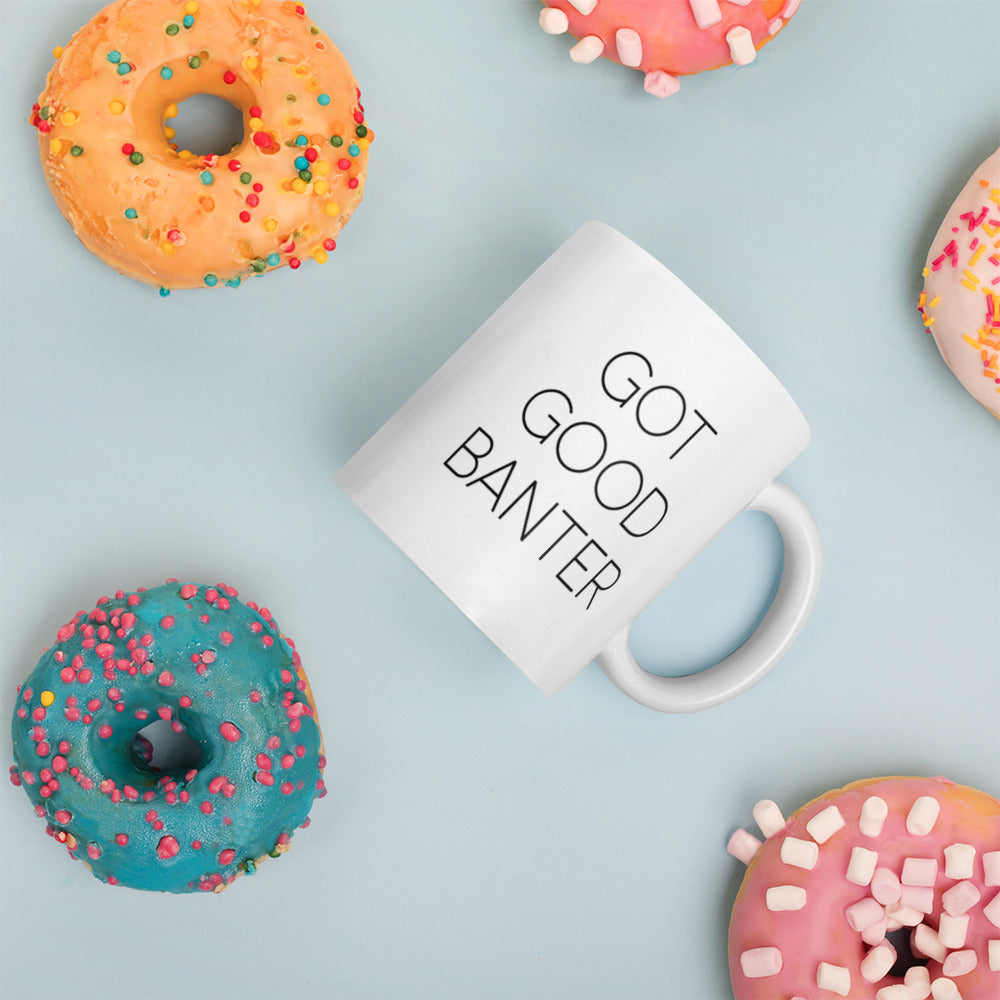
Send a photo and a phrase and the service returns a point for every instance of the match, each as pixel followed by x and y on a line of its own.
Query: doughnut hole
pixel 905 959
pixel 163 750
pixel 206 125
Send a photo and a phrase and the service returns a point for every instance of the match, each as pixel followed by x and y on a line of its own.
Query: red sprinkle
pixel 229 76
pixel 255 112
pixel 128 149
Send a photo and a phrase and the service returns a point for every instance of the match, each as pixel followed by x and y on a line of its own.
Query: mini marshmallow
pixel 553 21
pixel 945 989
pixel 960 898
pixel 918 981
pixel 898 991
pixel 706 12
pixel 800 853
pixel 960 963
pixel 994 955
pixel 917 897
pixel 863 913
pixel 877 963
pixel 919 871
pixel 958 859
pixel 992 910
pixel 768 817
pixel 885 886
pixel 922 816
pixel 903 916
pixel 589 48
pixel 825 824
pixel 741 48
pixel 585 7
pixel 875 934
pixel 924 941
pixel 953 930
pixel 785 897
pixel 861 867
pixel 873 814
pixel 743 846
pixel 628 44
pixel 834 978
pixel 991 868
pixel 660 84
pixel 760 962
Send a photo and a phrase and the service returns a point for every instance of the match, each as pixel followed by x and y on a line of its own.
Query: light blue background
pixel 480 840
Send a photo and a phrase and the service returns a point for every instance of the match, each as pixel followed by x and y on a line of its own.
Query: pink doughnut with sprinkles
pixel 667 39
pixel 960 300
pixel 246 758
pixel 887 889
pixel 176 219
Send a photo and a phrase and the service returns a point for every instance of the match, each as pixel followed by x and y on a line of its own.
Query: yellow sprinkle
pixel 47 697
pixel 971 281
pixel 928 321
pixel 116 107
pixel 169 133
pixel 190 7
pixel 980 250
pixel 256 124
pixel 299 185
pixel 55 146
pixel 71 841
pixel 57 51
pixel 331 208
pixel 186 154
pixel 321 167
pixel 363 143
pixel 969 340
pixel 70 118
pixel 321 187
pixel 270 224
pixel 935 301
pixel 320 256
pixel 995 195
pixel 167 247
pixel 250 61
pixel 171 111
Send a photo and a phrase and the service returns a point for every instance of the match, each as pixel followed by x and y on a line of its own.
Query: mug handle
pixel 743 668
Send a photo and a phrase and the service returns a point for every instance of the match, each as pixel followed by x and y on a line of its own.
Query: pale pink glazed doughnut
pixel 667 39
pixel 886 889
pixel 960 301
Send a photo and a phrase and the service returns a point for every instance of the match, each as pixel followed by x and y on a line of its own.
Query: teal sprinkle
pixel 301 163
pixel 188 20
pixel 114 57
pixel 172 29
pixel 273 259
pixel 164 292
pixel 206 177
pixel 166 72
pixel 324 99
pixel 353 149
pixel 301 140
pixel 211 280
pixel 234 282
pixel 131 213
pixel 124 68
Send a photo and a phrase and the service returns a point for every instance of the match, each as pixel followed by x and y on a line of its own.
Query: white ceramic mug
pixel 576 453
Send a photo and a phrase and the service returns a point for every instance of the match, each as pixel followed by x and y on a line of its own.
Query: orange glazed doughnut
pixel 887 889
pixel 667 39
pixel 170 217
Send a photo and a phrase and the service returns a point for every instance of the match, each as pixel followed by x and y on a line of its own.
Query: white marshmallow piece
pixel 993 950
pixel 919 871
pixel 628 44
pixel 876 933
pixel 944 989
pixel 991 868
pixel 922 816
pixel 743 846
pixel 768 817
pixel 757 963
pixel 589 48
pixel 873 814
pixel 741 48
pixel 898 991
pixel 785 897
pixel 924 941
pixel 553 21
pixel 917 897
pixel 863 914
pixel 953 931
pixel 706 12
pixel 992 910
pixel 885 886
pixel 660 84
pixel 960 963
pixel 918 981
pixel 958 860
pixel 861 867
pixel 585 7
pixel 960 898
pixel 903 916
pixel 877 963
pixel 825 824
pixel 799 853
pixel 834 978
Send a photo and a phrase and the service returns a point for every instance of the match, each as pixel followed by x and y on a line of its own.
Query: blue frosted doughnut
pixel 213 668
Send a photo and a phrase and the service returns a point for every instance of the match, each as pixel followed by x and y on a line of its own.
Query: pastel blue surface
pixel 480 840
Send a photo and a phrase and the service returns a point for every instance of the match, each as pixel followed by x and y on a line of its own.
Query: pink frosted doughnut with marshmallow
pixel 667 39
pixel 887 889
